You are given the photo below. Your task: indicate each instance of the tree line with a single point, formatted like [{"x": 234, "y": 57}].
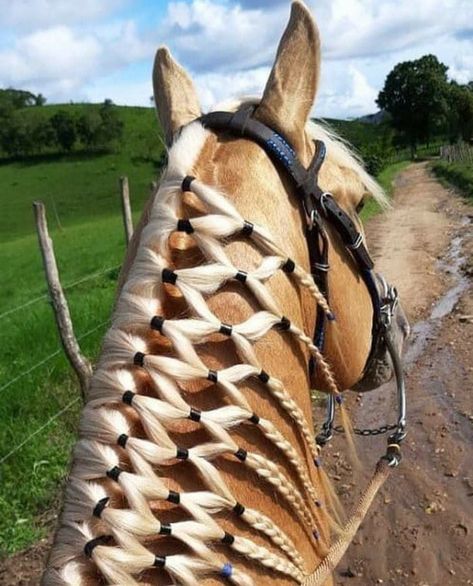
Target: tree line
[
  {"x": 96, "y": 129},
  {"x": 424, "y": 104}
]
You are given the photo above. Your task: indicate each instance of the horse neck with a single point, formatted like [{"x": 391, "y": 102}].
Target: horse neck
[{"x": 243, "y": 171}]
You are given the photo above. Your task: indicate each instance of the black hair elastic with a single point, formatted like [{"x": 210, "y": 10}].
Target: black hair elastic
[
  {"x": 241, "y": 454},
  {"x": 241, "y": 276},
  {"x": 122, "y": 439},
  {"x": 248, "y": 228},
  {"x": 289, "y": 266},
  {"x": 186, "y": 183},
  {"x": 195, "y": 415},
  {"x": 263, "y": 376},
  {"x": 157, "y": 322},
  {"x": 159, "y": 561},
  {"x": 239, "y": 509},
  {"x": 285, "y": 324},
  {"x": 127, "y": 397},
  {"x": 168, "y": 276},
  {"x": 100, "y": 506},
  {"x": 92, "y": 544},
  {"x": 228, "y": 538},
  {"x": 174, "y": 497},
  {"x": 138, "y": 359},
  {"x": 212, "y": 376},
  {"x": 182, "y": 454},
  {"x": 165, "y": 529},
  {"x": 184, "y": 225},
  {"x": 226, "y": 329},
  {"x": 114, "y": 473}
]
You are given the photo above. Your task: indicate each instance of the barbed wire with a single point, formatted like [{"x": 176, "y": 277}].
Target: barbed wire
[
  {"x": 84, "y": 279},
  {"x": 39, "y": 430},
  {"x": 48, "y": 358}
]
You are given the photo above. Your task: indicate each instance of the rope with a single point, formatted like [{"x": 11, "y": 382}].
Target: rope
[{"x": 338, "y": 549}]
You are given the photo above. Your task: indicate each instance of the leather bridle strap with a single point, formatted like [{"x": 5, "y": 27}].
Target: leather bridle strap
[{"x": 319, "y": 206}]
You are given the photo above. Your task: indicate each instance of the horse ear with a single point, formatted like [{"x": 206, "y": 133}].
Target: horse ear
[
  {"x": 292, "y": 84},
  {"x": 174, "y": 94}
]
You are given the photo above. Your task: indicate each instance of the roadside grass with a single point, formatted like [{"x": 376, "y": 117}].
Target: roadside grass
[
  {"x": 460, "y": 175},
  {"x": 386, "y": 180},
  {"x": 81, "y": 194}
]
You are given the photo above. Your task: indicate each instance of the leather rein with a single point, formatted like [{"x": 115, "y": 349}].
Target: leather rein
[{"x": 320, "y": 209}]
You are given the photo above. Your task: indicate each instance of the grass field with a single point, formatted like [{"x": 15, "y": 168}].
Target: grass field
[
  {"x": 39, "y": 409},
  {"x": 458, "y": 174},
  {"x": 81, "y": 194}
]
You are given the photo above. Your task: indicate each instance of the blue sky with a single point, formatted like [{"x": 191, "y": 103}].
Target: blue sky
[{"x": 96, "y": 49}]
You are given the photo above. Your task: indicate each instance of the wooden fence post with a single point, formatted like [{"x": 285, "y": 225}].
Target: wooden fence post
[
  {"x": 126, "y": 208},
  {"x": 79, "y": 363}
]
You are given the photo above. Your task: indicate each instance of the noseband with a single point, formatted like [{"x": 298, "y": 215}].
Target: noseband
[{"x": 320, "y": 209}]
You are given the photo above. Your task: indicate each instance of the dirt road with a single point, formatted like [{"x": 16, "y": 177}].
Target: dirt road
[{"x": 420, "y": 530}]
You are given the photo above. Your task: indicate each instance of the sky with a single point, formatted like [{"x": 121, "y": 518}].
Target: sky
[{"x": 89, "y": 50}]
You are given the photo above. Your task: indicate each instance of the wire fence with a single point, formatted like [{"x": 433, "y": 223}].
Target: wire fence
[
  {"x": 84, "y": 279},
  {"x": 39, "y": 430},
  {"x": 49, "y": 358}
]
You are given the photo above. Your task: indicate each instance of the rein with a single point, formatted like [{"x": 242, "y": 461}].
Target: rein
[{"x": 320, "y": 209}]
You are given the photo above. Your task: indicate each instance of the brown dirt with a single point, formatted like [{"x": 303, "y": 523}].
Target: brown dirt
[{"x": 419, "y": 530}]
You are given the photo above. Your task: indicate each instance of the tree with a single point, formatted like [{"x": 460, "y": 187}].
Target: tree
[
  {"x": 112, "y": 127},
  {"x": 461, "y": 111},
  {"x": 89, "y": 127},
  {"x": 415, "y": 93},
  {"x": 40, "y": 100},
  {"x": 64, "y": 126}
]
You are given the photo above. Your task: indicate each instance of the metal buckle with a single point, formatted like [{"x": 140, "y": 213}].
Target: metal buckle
[
  {"x": 323, "y": 197},
  {"x": 320, "y": 266},
  {"x": 358, "y": 242}
]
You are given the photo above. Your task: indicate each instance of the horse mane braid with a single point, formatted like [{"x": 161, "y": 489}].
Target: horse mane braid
[{"x": 126, "y": 441}]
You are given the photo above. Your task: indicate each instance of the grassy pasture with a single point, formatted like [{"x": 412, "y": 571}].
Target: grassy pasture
[{"x": 81, "y": 194}]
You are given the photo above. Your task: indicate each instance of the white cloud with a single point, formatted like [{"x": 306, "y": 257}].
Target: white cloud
[
  {"x": 347, "y": 93},
  {"x": 210, "y": 36},
  {"x": 69, "y": 50},
  {"x": 214, "y": 87},
  {"x": 59, "y": 61},
  {"x": 36, "y": 14}
]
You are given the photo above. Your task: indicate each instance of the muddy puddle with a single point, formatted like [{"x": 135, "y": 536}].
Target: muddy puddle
[
  {"x": 451, "y": 267},
  {"x": 378, "y": 406}
]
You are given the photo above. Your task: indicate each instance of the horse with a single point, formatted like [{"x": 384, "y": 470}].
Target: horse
[{"x": 196, "y": 462}]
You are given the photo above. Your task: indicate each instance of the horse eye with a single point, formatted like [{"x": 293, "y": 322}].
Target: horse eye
[{"x": 360, "y": 205}]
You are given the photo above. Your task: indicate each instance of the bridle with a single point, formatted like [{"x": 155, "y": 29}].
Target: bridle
[{"x": 320, "y": 210}]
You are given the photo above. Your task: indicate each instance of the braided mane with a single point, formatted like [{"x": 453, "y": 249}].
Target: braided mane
[{"x": 123, "y": 464}]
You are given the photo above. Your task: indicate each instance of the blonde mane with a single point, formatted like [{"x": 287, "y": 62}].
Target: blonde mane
[{"x": 126, "y": 429}]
